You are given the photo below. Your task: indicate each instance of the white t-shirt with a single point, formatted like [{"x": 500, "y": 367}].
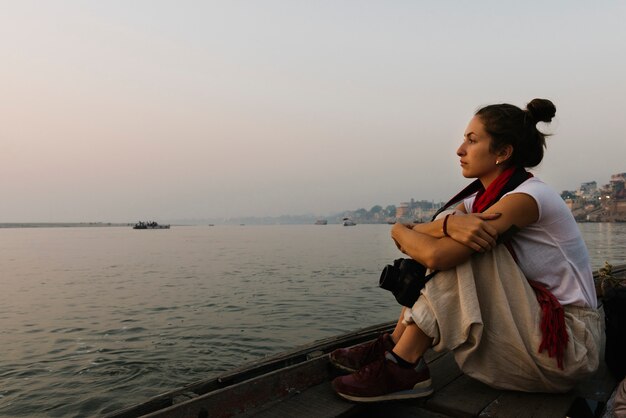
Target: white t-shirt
[{"x": 551, "y": 251}]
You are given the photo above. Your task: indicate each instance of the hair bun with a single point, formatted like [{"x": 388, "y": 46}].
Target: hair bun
[{"x": 541, "y": 110}]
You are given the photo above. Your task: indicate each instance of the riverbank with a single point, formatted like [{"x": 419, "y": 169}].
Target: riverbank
[{"x": 61, "y": 224}]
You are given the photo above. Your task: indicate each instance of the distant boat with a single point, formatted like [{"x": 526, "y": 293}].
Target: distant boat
[
  {"x": 348, "y": 222},
  {"x": 150, "y": 225},
  {"x": 321, "y": 222}
]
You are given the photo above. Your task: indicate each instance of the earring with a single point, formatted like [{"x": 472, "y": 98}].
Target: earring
[{"x": 497, "y": 162}]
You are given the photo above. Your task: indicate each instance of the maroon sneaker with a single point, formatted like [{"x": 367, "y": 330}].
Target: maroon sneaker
[
  {"x": 353, "y": 358},
  {"x": 385, "y": 380}
]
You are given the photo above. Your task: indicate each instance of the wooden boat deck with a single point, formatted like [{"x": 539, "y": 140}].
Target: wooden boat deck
[
  {"x": 456, "y": 395},
  {"x": 297, "y": 384}
]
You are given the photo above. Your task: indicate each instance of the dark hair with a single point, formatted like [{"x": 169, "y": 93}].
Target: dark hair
[{"x": 510, "y": 125}]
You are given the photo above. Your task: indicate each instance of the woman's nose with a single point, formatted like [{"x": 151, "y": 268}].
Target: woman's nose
[{"x": 460, "y": 151}]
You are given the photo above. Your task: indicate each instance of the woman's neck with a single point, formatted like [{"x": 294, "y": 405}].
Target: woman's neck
[{"x": 487, "y": 179}]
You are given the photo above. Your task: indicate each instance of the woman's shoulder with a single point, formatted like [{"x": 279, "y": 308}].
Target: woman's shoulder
[
  {"x": 535, "y": 187},
  {"x": 547, "y": 199}
]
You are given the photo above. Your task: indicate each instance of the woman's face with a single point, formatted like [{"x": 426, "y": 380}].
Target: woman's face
[{"x": 477, "y": 161}]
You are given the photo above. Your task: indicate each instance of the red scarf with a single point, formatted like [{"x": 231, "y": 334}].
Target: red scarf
[
  {"x": 554, "y": 336},
  {"x": 553, "y": 332},
  {"x": 487, "y": 197},
  {"x": 507, "y": 181}
]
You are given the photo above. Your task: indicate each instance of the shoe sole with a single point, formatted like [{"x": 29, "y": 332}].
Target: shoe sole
[{"x": 421, "y": 390}]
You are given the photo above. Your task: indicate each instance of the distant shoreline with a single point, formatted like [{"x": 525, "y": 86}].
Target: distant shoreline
[
  {"x": 61, "y": 224},
  {"x": 17, "y": 225}
]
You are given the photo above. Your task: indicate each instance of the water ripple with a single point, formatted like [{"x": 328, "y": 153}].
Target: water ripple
[{"x": 121, "y": 317}]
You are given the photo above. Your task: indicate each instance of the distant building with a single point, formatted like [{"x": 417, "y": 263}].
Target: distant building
[
  {"x": 588, "y": 190},
  {"x": 570, "y": 198},
  {"x": 417, "y": 210},
  {"x": 612, "y": 200},
  {"x": 402, "y": 210},
  {"x": 617, "y": 185}
]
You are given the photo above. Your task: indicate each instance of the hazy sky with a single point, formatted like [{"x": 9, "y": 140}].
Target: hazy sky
[{"x": 128, "y": 110}]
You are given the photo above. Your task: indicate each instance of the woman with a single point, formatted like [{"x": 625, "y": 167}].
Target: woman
[{"x": 520, "y": 316}]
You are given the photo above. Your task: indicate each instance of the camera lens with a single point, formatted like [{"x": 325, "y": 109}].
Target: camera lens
[{"x": 388, "y": 278}]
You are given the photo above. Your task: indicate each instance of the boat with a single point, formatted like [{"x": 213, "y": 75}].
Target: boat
[
  {"x": 297, "y": 383},
  {"x": 150, "y": 225},
  {"x": 321, "y": 222},
  {"x": 348, "y": 222}
]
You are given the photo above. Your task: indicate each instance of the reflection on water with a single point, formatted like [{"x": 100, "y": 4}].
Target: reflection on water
[
  {"x": 95, "y": 319},
  {"x": 606, "y": 242}
]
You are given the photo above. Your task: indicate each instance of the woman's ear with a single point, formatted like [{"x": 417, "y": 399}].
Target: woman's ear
[{"x": 505, "y": 153}]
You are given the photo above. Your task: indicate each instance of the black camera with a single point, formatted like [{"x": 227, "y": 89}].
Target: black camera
[{"x": 405, "y": 279}]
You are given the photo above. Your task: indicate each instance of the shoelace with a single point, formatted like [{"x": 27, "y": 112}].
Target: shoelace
[
  {"x": 366, "y": 352},
  {"x": 373, "y": 369},
  {"x": 374, "y": 347}
]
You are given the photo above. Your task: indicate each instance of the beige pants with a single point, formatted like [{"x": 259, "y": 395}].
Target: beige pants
[{"x": 485, "y": 311}]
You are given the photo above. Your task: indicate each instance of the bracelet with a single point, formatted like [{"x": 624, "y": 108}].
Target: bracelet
[{"x": 445, "y": 225}]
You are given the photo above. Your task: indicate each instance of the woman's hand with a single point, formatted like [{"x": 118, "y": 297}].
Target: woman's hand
[
  {"x": 473, "y": 230},
  {"x": 396, "y": 234}
]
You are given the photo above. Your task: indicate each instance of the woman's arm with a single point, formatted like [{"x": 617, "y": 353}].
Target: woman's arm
[
  {"x": 471, "y": 230},
  {"x": 444, "y": 253}
]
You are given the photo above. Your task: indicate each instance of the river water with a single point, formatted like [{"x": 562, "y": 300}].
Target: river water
[{"x": 96, "y": 319}]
